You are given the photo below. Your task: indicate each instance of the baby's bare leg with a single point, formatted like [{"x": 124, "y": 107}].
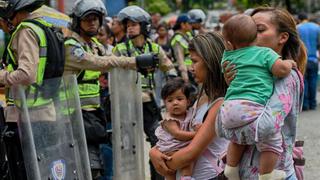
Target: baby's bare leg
[
  {"x": 268, "y": 160},
  {"x": 171, "y": 177},
  {"x": 187, "y": 170},
  {"x": 234, "y": 154}
]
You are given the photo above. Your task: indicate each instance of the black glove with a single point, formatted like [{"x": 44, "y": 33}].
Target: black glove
[{"x": 146, "y": 62}]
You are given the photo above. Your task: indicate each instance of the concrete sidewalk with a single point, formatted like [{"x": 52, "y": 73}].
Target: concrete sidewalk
[{"x": 309, "y": 130}]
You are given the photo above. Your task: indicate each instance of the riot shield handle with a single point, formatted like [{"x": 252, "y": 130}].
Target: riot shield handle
[{"x": 146, "y": 62}]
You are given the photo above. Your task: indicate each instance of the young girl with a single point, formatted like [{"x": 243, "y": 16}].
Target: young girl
[{"x": 175, "y": 95}]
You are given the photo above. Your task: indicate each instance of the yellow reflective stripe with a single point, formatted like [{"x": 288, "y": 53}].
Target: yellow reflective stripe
[
  {"x": 91, "y": 75},
  {"x": 155, "y": 48},
  {"x": 119, "y": 48},
  {"x": 88, "y": 90},
  {"x": 176, "y": 39},
  {"x": 179, "y": 38},
  {"x": 188, "y": 62},
  {"x": 43, "y": 44},
  {"x": 95, "y": 40},
  {"x": 90, "y": 106},
  {"x": 10, "y": 68},
  {"x": 73, "y": 42},
  {"x": 189, "y": 34},
  {"x": 31, "y": 102},
  {"x": 90, "y": 102}
]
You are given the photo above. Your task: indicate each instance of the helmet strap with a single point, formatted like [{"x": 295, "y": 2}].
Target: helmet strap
[
  {"x": 11, "y": 27},
  {"x": 134, "y": 36},
  {"x": 88, "y": 33}
]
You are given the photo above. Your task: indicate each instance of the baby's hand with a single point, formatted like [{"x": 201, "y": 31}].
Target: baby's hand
[
  {"x": 293, "y": 63},
  {"x": 197, "y": 127}
]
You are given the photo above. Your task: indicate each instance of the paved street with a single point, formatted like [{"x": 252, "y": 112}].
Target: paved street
[{"x": 309, "y": 131}]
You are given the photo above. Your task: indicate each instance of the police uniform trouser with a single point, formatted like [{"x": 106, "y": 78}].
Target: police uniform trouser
[
  {"x": 14, "y": 153},
  {"x": 94, "y": 124}
]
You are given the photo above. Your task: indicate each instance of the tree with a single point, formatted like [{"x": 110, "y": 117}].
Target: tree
[{"x": 158, "y": 6}]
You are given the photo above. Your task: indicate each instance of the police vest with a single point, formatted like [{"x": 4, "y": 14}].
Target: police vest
[
  {"x": 127, "y": 49},
  {"x": 88, "y": 81},
  {"x": 189, "y": 35},
  {"x": 33, "y": 99},
  {"x": 184, "y": 42}
]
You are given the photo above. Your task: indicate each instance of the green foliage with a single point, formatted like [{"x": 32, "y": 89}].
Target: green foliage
[
  {"x": 154, "y": 6},
  {"x": 158, "y": 6},
  {"x": 1, "y": 50}
]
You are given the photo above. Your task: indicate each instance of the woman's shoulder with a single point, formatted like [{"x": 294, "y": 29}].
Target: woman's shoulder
[
  {"x": 217, "y": 100},
  {"x": 295, "y": 78}
]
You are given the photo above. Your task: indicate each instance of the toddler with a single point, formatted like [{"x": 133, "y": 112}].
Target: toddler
[{"x": 174, "y": 132}]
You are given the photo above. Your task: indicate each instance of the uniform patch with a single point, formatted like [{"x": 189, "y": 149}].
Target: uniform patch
[
  {"x": 58, "y": 169},
  {"x": 77, "y": 52}
]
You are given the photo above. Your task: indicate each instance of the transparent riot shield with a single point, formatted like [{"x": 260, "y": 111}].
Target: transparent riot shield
[
  {"x": 127, "y": 124},
  {"x": 51, "y": 130}
]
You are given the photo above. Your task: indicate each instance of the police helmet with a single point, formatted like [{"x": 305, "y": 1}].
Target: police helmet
[
  {"x": 8, "y": 8},
  {"x": 197, "y": 16},
  {"x": 136, "y": 14},
  {"x": 83, "y": 8}
]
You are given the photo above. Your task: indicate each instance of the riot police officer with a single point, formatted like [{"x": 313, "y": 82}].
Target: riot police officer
[
  {"x": 138, "y": 23},
  {"x": 23, "y": 67},
  {"x": 180, "y": 45},
  {"x": 87, "y": 58},
  {"x": 197, "y": 20}
]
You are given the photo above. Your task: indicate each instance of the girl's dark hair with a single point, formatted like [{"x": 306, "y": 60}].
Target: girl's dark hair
[
  {"x": 284, "y": 22},
  {"x": 108, "y": 31},
  {"x": 163, "y": 25},
  {"x": 173, "y": 85},
  {"x": 210, "y": 47}
]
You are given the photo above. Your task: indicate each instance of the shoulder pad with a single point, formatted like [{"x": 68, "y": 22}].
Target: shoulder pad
[{"x": 77, "y": 52}]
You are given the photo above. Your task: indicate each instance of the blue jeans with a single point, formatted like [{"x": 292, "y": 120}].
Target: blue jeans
[
  {"x": 107, "y": 159},
  {"x": 106, "y": 153},
  {"x": 310, "y": 85}
]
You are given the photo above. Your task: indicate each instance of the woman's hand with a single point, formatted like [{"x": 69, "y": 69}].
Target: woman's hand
[
  {"x": 229, "y": 72},
  {"x": 197, "y": 127},
  {"x": 158, "y": 160}
]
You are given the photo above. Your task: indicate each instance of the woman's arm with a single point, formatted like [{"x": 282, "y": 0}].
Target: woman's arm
[
  {"x": 199, "y": 143},
  {"x": 179, "y": 56}
]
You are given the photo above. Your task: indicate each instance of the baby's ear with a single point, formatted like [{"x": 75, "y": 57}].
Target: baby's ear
[{"x": 229, "y": 45}]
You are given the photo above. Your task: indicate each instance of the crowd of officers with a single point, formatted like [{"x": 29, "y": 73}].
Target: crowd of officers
[{"x": 93, "y": 45}]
